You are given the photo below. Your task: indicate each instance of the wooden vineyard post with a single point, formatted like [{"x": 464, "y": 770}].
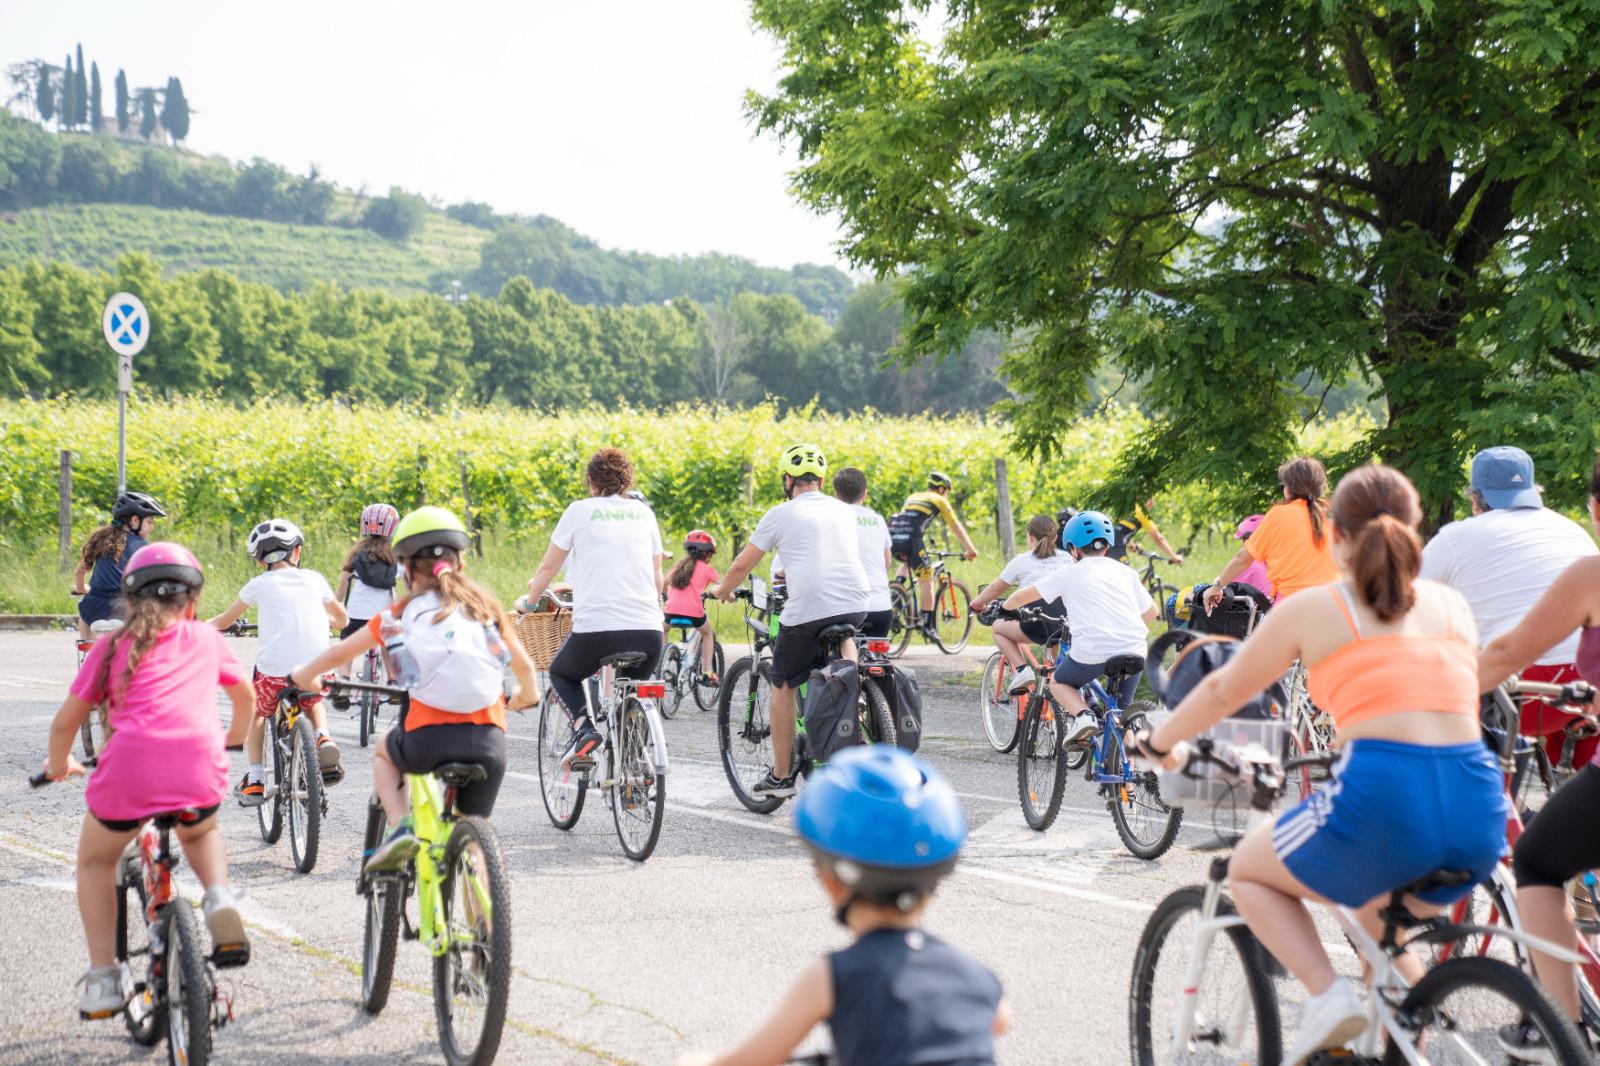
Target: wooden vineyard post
[
  {"x": 466, "y": 500},
  {"x": 1005, "y": 526},
  {"x": 64, "y": 489},
  {"x": 747, "y": 473}
]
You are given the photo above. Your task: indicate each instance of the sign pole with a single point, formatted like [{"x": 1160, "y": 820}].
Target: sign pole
[
  {"x": 126, "y": 325},
  {"x": 122, "y": 442}
]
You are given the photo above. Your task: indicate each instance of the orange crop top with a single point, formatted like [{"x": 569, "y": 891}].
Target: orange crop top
[{"x": 1374, "y": 676}]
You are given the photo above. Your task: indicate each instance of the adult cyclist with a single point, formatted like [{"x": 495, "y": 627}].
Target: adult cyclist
[
  {"x": 907, "y": 528},
  {"x": 827, "y": 586},
  {"x": 1141, "y": 522}
]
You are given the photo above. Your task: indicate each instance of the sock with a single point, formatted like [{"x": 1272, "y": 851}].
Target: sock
[
  {"x": 253, "y": 775},
  {"x": 927, "y": 618}
]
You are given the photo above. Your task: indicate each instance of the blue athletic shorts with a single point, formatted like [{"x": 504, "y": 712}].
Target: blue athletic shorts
[
  {"x": 1070, "y": 671},
  {"x": 1395, "y": 813}
]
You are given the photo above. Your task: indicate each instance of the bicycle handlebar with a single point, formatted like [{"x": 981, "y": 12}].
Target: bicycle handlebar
[
  {"x": 41, "y": 779},
  {"x": 241, "y": 628},
  {"x": 335, "y": 685},
  {"x": 1573, "y": 693}
]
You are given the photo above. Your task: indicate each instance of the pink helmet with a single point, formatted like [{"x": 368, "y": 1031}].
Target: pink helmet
[
  {"x": 161, "y": 569},
  {"x": 1248, "y": 526},
  {"x": 378, "y": 520}
]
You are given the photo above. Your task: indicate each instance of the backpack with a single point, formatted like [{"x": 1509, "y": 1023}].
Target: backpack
[
  {"x": 900, "y": 689},
  {"x": 1197, "y": 657},
  {"x": 832, "y": 711}
]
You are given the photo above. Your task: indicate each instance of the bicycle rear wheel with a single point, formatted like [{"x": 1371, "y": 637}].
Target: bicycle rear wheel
[
  {"x": 952, "y": 616},
  {"x": 877, "y": 724},
  {"x": 1235, "y": 1006},
  {"x": 146, "y": 1013},
  {"x": 269, "y": 816},
  {"x": 705, "y": 696},
  {"x": 367, "y": 702},
  {"x": 997, "y": 706},
  {"x": 639, "y": 798},
  {"x": 744, "y": 731},
  {"x": 1041, "y": 769},
  {"x": 902, "y": 620},
  {"x": 672, "y": 667},
  {"x": 304, "y": 782},
  {"x": 188, "y": 993},
  {"x": 1146, "y": 825},
  {"x": 385, "y": 897},
  {"x": 561, "y": 787},
  {"x": 1471, "y": 1008},
  {"x": 94, "y": 733},
  {"x": 472, "y": 979}
]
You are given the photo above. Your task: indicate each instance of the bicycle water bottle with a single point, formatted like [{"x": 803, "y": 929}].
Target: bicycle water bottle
[{"x": 406, "y": 673}]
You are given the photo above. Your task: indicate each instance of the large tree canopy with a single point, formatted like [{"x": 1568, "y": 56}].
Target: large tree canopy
[{"x": 1227, "y": 199}]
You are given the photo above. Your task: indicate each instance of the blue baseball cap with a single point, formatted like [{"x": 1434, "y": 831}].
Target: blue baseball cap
[{"x": 1504, "y": 477}]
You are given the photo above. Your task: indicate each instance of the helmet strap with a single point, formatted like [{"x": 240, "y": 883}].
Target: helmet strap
[{"x": 842, "y": 913}]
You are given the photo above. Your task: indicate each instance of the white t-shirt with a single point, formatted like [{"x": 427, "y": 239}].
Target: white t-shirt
[
  {"x": 872, "y": 534},
  {"x": 821, "y": 557},
  {"x": 1106, "y": 601},
  {"x": 292, "y": 621},
  {"x": 455, "y": 668},
  {"x": 615, "y": 547},
  {"x": 364, "y": 601},
  {"x": 1502, "y": 561},
  {"x": 1028, "y": 569}
]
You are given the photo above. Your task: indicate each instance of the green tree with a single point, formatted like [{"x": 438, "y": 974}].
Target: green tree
[
  {"x": 147, "y": 107},
  {"x": 398, "y": 216},
  {"x": 67, "y": 105},
  {"x": 97, "y": 117},
  {"x": 1221, "y": 198},
  {"x": 30, "y": 160},
  {"x": 123, "y": 118},
  {"x": 44, "y": 94},
  {"x": 20, "y": 368},
  {"x": 175, "y": 110},
  {"x": 80, "y": 93}
]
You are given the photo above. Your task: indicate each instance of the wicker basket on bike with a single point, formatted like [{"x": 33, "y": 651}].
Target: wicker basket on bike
[
  {"x": 543, "y": 630},
  {"x": 1236, "y": 616}
]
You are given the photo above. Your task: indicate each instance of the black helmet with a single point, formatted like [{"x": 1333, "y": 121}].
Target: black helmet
[
  {"x": 136, "y": 503},
  {"x": 938, "y": 479}
]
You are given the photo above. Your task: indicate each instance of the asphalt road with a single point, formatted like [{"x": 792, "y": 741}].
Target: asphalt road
[{"x": 615, "y": 962}]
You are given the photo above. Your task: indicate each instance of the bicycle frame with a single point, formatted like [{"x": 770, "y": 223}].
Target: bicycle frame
[
  {"x": 612, "y": 692},
  {"x": 1110, "y": 734},
  {"x": 433, "y": 827}
]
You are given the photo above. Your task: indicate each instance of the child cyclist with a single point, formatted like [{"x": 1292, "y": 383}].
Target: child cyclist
[
  {"x": 882, "y": 828},
  {"x": 685, "y": 584},
  {"x": 453, "y": 635},
  {"x": 366, "y": 581},
  {"x": 106, "y": 554},
  {"x": 159, "y": 676},
  {"x": 293, "y": 609}
]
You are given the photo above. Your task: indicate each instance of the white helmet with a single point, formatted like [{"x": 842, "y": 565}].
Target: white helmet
[{"x": 274, "y": 539}]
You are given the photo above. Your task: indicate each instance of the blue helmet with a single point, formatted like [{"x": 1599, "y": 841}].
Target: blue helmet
[
  {"x": 1087, "y": 528},
  {"x": 886, "y": 825}
]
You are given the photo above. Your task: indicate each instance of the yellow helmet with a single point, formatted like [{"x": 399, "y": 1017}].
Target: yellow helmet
[{"x": 801, "y": 459}]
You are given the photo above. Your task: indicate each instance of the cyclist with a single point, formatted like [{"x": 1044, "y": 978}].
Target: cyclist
[
  {"x": 1111, "y": 612},
  {"x": 1141, "y": 522},
  {"x": 883, "y": 828},
  {"x": 1025, "y": 569},
  {"x": 367, "y": 579},
  {"x": 872, "y": 537},
  {"x": 907, "y": 528},
  {"x": 459, "y": 641},
  {"x": 614, "y": 545},
  {"x": 1394, "y": 660},
  {"x": 106, "y": 552},
  {"x": 827, "y": 586},
  {"x": 1254, "y": 575},
  {"x": 1291, "y": 540},
  {"x": 688, "y": 579},
  {"x": 158, "y": 675},
  {"x": 293, "y": 609}
]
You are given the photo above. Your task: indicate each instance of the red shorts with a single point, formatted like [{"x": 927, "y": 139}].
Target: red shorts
[
  {"x": 1539, "y": 719},
  {"x": 267, "y": 689}
]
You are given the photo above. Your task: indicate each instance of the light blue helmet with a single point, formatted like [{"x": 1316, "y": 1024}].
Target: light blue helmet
[{"x": 1089, "y": 529}]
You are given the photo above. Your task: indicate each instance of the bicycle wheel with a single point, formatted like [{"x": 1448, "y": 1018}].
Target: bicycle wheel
[
  {"x": 705, "y": 696},
  {"x": 1146, "y": 825},
  {"x": 305, "y": 796},
  {"x": 1041, "y": 770},
  {"x": 902, "y": 620},
  {"x": 367, "y": 702},
  {"x": 744, "y": 731},
  {"x": 562, "y": 788},
  {"x": 1468, "y": 1007},
  {"x": 997, "y": 706},
  {"x": 269, "y": 816},
  {"x": 1163, "y": 595},
  {"x": 672, "y": 674},
  {"x": 472, "y": 979},
  {"x": 952, "y": 617},
  {"x": 877, "y": 724},
  {"x": 384, "y": 900},
  {"x": 1235, "y": 1007},
  {"x": 188, "y": 993},
  {"x": 639, "y": 799},
  {"x": 93, "y": 733},
  {"x": 146, "y": 1013}
]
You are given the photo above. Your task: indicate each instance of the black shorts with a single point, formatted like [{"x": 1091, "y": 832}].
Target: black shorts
[
  {"x": 356, "y": 625},
  {"x": 196, "y": 816},
  {"x": 877, "y": 623},
  {"x": 418, "y": 751},
  {"x": 798, "y": 650},
  {"x": 1042, "y": 631}
]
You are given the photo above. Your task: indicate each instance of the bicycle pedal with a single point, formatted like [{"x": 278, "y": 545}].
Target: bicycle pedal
[
  {"x": 225, "y": 956},
  {"x": 99, "y": 1015},
  {"x": 333, "y": 775}
]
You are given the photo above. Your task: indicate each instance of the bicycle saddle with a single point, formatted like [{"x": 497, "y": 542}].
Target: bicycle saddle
[
  {"x": 836, "y": 634},
  {"x": 1437, "y": 880},
  {"x": 622, "y": 660},
  {"x": 460, "y": 774},
  {"x": 679, "y": 622},
  {"x": 1121, "y": 666}
]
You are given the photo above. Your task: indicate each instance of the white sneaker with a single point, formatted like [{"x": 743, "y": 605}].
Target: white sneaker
[
  {"x": 102, "y": 993},
  {"x": 1081, "y": 728},
  {"x": 1022, "y": 679},
  {"x": 1328, "y": 1021},
  {"x": 224, "y": 921}
]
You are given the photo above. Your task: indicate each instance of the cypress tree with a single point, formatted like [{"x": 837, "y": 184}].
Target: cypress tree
[
  {"x": 44, "y": 95},
  {"x": 175, "y": 110},
  {"x": 65, "y": 106},
  {"x": 97, "y": 116},
  {"x": 80, "y": 93},
  {"x": 147, "y": 124},
  {"x": 122, "y": 101}
]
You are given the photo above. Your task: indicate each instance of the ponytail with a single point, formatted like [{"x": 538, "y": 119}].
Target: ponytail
[
  {"x": 682, "y": 571},
  {"x": 443, "y": 574},
  {"x": 1377, "y": 510},
  {"x": 1306, "y": 479},
  {"x": 1042, "y": 528},
  {"x": 107, "y": 542}
]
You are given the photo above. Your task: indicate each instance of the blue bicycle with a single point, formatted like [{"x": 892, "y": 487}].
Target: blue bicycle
[{"x": 1146, "y": 825}]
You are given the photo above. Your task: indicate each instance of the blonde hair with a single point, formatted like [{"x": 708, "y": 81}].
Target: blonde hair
[{"x": 457, "y": 591}]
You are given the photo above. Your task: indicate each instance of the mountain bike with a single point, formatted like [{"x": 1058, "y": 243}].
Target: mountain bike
[
  {"x": 680, "y": 667},
  {"x": 96, "y": 728},
  {"x": 1160, "y": 591},
  {"x": 1202, "y": 989},
  {"x": 372, "y": 672},
  {"x": 1001, "y": 709},
  {"x": 170, "y": 983},
  {"x": 463, "y": 893},
  {"x": 1146, "y": 824},
  {"x": 293, "y": 781},
  {"x": 951, "y": 602},
  {"x": 744, "y": 708}
]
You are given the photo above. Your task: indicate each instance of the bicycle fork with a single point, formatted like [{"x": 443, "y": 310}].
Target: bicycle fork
[{"x": 1230, "y": 1036}]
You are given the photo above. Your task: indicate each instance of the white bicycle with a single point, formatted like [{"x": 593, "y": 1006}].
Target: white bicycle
[{"x": 680, "y": 668}]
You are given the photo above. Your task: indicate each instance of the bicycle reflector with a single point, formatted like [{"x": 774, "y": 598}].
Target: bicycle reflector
[
  {"x": 651, "y": 690},
  {"x": 877, "y": 647}
]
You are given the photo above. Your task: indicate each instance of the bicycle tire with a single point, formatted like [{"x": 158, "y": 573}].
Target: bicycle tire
[
  {"x": 902, "y": 620},
  {"x": 146, "y": 1014},
  {"x": 305, "y": 783},
  {"x": 188, "y": 992},
  {"x": 997, "y": 707},
  {"x": 1427, "y": 1000},
  {"x": 93, "y": 733},
  {"x": 1040, "y": 763},
  {"x": 672, "y": 671},
  {"x": 744, "y": 733},
  {"x": 632, "y": 763},
  {"x": 382, "y": 932},
  {"x": 366, "y": 702},
  {"x": 1152, "y": 1047},
  {"x": 269, "y": 815},
  {"x": 705, "y": 696},
  {"x": 877, "y": 724},
  {"x": 1123, "y": 802},
  {"x": 495, "y": 974},
  {"x": 952, "y": 611},
  {"x": 561, "y": 789}
]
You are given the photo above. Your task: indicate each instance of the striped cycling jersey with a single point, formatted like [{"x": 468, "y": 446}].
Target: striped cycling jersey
[{"x": 921, "y": 506}]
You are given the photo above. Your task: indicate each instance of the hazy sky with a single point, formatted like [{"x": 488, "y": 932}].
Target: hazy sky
[{"x": 622, "y": 118}]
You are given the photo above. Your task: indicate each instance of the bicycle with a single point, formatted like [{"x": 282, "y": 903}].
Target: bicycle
[
  {"x": 744, "y": 707},
  {"x": 372, "y": 672},
  {"x": 1160, "y": 591},
  {"x": 292, "y": 779},
  {"x": 630, "y": 765},
  {"x": 463, "y": 893},
  {"x": 1230, "y": 1017},
  {"x": 96, "y": 728},
  {"x": 1001, "y": 709},
  {"x": 176, "y": 996},
  {"x": 1146, "y": 824},
  {"x": 680, "y": 667},
  {"x": 952, "y": 601}
]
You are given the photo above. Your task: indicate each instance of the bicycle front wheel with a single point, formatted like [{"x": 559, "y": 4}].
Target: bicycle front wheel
[
  {"x": 472, "y": 979},
  {"x": 562, "y": 788},
  {"x": 1146, "y": 825},
  {"x": 952, "y": 617},
  {"x": 902, "y": 620},
  {"x": 93, "y": 733},
  {"x": 269, "y": 816},
  {"x": 997, "y": 706},
  {"x": 744, "y": 731},
  {"x": 146, "y": 1013},
  {"x": 384, "y": 900},
  {"x": 705, "y": 696},
  {"x": 672, "y": 671},
  {"x": 1477, "y": 1010},
  {"x": 639, "y": 798},
  {"x": 188, "y": 990},
  {"x": 1234, "y": 1014},
  {"x": 1041, "y": 769},
  {"x": 305, "y": 796}
]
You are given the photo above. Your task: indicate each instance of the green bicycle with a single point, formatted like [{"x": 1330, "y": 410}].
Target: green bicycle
[{"x": 463, "y": 909}]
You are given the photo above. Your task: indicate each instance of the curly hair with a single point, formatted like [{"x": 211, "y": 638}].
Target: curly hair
[{"x": 609, "y": 472}]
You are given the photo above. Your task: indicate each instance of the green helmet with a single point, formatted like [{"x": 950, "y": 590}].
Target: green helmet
[
  {"x": 938, "y": 479},
  {"x": 801, "y": 459},
  {"x": 429, "y": 528}
]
